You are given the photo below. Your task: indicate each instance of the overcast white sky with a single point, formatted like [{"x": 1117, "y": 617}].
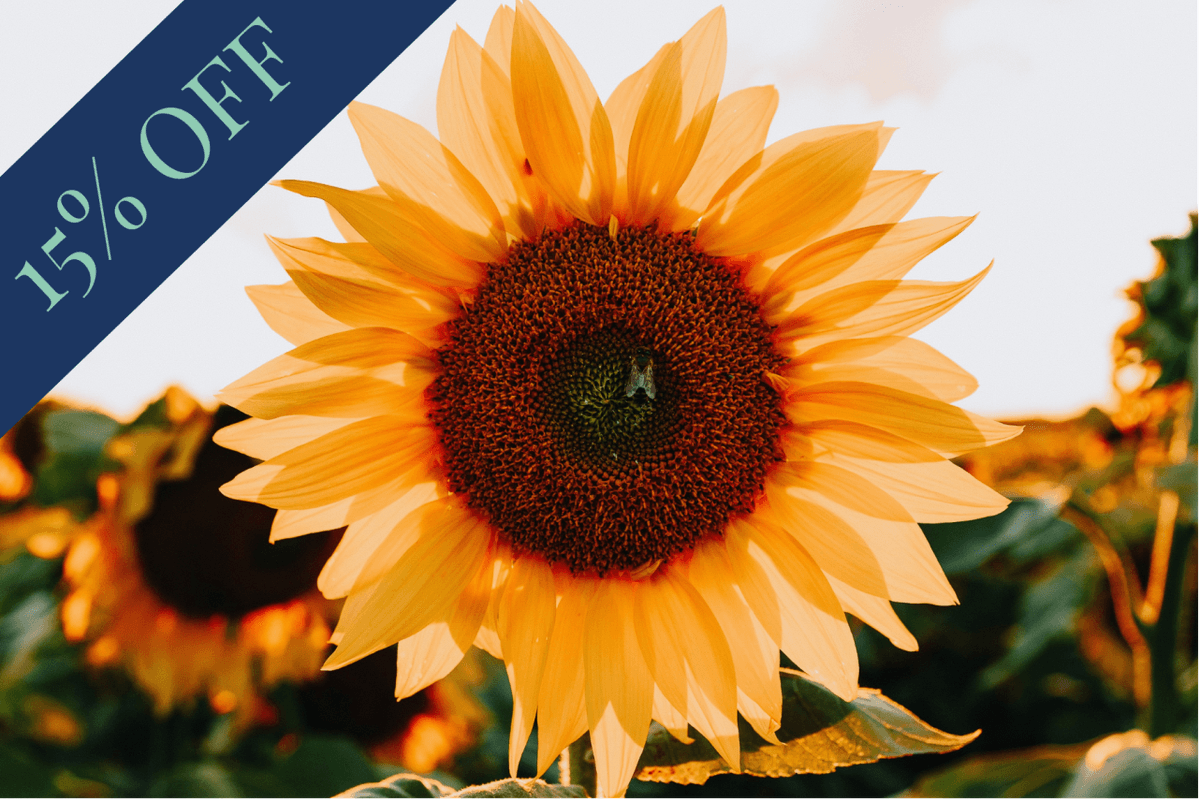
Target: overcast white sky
[{"x": 1068, "y": 125}]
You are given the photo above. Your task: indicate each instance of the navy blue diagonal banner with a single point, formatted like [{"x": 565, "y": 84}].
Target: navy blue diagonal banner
[{"x": 160, "y": 154}]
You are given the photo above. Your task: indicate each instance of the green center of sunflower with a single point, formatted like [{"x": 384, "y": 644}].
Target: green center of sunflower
[
  {"x": 603, "y": 403},
  {"x": 602, "y": 398},
  {"x": 205, "y": 554}
]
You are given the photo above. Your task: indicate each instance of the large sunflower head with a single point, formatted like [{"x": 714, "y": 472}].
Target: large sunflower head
[
  {"x": 614, "y": 392},
  {"x": 180, "y": 584}
]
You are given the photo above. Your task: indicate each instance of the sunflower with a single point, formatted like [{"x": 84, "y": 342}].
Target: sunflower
[
  {"x": 180, "y": 584},
  {"x": 614, "y": 393}
]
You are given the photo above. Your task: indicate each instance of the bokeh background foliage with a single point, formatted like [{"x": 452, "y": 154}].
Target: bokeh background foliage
[{"x": 1073, "y": 650}]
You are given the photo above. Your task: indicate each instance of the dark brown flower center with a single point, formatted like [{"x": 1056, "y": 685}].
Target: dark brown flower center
[
  {"x": 602, "y": 401},
  {"x": 205, "y": 554}
]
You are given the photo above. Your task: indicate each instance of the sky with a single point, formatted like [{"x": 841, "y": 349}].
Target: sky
[{"x": 1069, "y": 126}]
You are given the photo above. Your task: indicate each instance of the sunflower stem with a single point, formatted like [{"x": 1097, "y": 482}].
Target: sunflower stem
[
  {"x": 1124, "y": 587},
  {"x": 577, "y": 765},
  {"x": 1164, "y": 695}
]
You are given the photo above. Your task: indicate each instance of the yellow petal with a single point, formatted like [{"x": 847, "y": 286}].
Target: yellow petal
[
  {"x": 671, "y": 718},
  {"x": 526, "y": 622},
  {"x": 887, "y": 197},
  {"x": 488, "y": 639},
  {"x": 366, "y": 348},
  {"x": 353, "y": 374},
  {"x": 363, "y": 455},
  {"x": 360, "y": 304},
  {"x": 357, "y": 261},
  {"x": 360, "y": 263},
  {"x": 902, "y": 363},
  {"x": 291, "y": 523},
  {"x": 564, "y": 129},
  {"x": 661, "y": 638},
  {"x": 397, "y": 523},
  {"x": 289, "y": 313},
  {"x": 365, "y": 258},
  {"x": 265, "y": 438},
  {"x": 463, "y": 119},
  {"x": 931, "y": 492},
  {"x": 675, "y": 116},
  {"x": 498, "y": 42},
  {"x": 294, "y": 523},
  {"x": 876, "y": 612},
  {"x": 421, "y": 175},
  {"x": 562, "y": 716},
  {"x": 477, "y": 121},
  {"x": 618, "y": 687},
  {"x": 760, "y": 720},
  {"x": 688, "y": 654},
  {"x": 941, "y": 427},
  {"x": 737, "y": 133},
  {"x": 355, "y": 284},
  {"x": 755, "y": 654},
  {"x": 429, "y": 655},
  {"x": 844, "y": 487},
  {"x": 798, "y": 189},
  {"x": 622, "y": 109},
  {"x": 839, "y": 549},
  {"x": 344, "y": 227},
  {"x": 872, "y": 308},
  {"x": 787, "y": 590},
  {"x": 323, "y": 392},
  {"x": 420, "y": 589},
  {"x": 879, "y": 252},
  {"x": 396, "y": 232},
  {"x": 857, "y": 441},
  {"x": 910, "y": 569}
]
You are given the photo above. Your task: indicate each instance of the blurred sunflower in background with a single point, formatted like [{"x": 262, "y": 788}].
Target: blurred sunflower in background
[
  {"x": 180, "y": 585},
  {"x": 15, "y": 479},
  {"x": 616, "y": 394},
  {"x": 27, "y": 516}
]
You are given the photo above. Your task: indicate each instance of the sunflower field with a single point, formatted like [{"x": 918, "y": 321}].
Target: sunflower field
[{"x": 605, "y": 463}]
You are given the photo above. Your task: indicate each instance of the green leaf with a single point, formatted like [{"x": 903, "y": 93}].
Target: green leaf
[
  {"x": 1182, "y": 480},
  {"x": 1032, "y": 772},
  {"x": 1129, "y": 764},
  {"x": 23, "y": 632},
  {"x": 521, "y": 788},
  {"x": 257, "y": 781},
  {"x": 1028, "y": 528},
  {"x": 195, "y": 779},
  {"x": 1125, "y": 764},
  {"x": 324, "y": 765},
  {"x": 74, "y": 458},
  {"x": 1167, "y": 333},
  {"x": 71, "y": 432},
  {"x": 1049, "y": 610},
  {"x": 406, "y": 785},
  {"x": 820, "y": 733},
  {"x": 411, "y": 785},
  {"x": 1131, "y": 772},
  {"x": 154, "y": 415},
  {"x": 20, "y": 775},
  {"x": 23, "y": 575}
]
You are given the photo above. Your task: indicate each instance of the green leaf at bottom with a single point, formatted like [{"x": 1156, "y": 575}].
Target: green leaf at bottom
[
  {"x": 1042, "y": 771},
  {"x": 1123, "y": 764},
  {"x": 410, "y": 785},
  {"x": 820, "y": 733}
]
